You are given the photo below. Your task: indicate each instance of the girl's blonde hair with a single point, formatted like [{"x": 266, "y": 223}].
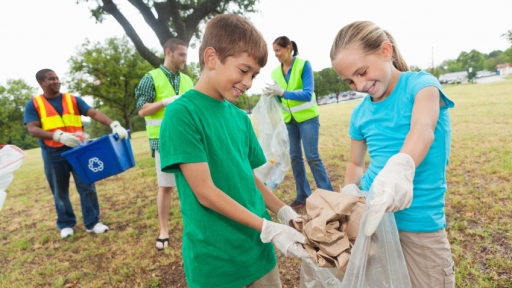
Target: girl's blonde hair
[{"x": 369, "y": 37}]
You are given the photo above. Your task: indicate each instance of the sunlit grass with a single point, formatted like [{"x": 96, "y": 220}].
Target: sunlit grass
[{"x": 478, "y": 208}]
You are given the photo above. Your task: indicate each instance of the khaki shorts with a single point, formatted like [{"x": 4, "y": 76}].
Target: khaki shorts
[
  {"x": 429, "y": 259},
  {"x": 164, "y": 179},
  {"x": 269, "y": 280}
]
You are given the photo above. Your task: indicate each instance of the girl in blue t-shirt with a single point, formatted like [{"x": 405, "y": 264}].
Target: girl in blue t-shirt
[{"x": 404, "y": 125}]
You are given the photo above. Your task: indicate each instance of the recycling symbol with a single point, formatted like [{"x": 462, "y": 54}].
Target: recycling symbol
[{"x": 95, "y": 164}]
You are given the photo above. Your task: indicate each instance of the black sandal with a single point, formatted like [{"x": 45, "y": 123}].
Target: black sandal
[{"x": 163, "y": 243}]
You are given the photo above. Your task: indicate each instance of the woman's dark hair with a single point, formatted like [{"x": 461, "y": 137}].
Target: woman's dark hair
[{"x": 284, "y": 42}]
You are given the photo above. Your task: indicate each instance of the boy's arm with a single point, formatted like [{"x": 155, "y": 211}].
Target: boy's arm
[
  {"x": 272, "y": 203},
  {"x": 199, "y": 179},
  {"x": 284, "y": 237}
]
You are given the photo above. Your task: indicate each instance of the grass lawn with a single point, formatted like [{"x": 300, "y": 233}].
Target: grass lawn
[{"x": 478, "y": 208}]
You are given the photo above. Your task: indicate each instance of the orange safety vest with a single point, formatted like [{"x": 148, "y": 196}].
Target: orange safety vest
[{"x": 70, "y": 122}]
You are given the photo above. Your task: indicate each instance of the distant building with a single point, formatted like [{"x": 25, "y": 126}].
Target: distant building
[
  {"x": 504, "y": 69},
  {"x": 453, "y": 77},
  {"x": 484, "y": 73}
]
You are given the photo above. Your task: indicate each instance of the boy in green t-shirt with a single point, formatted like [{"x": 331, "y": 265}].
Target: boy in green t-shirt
[{"x": 211, "y": 147}]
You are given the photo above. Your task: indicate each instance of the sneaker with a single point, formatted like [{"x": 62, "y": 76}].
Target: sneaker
[
  {"x": 66, "y": 232},
  {"x": 98, "y": 228},
  {"x": 296, "y": 204}
]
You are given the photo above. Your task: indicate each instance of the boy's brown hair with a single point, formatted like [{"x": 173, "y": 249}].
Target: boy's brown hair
[{"x": 232, "y": 35}]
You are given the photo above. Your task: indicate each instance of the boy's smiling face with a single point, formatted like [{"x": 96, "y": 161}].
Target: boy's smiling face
[{"x": 234, "y": 77}]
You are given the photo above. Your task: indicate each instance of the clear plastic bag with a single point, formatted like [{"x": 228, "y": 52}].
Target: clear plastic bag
[
  {"x": 273, "y": 138},
  {"x": 10, "y": 159},
  {"x": 375, "y": 261},
  {"x": 312, "y": 276}
]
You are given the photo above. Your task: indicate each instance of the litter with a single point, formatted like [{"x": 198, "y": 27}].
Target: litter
[
  {"x": 11, "y": 158},
  {"x": 273, "y": 138},
  {"x": 373, "y": 261}
]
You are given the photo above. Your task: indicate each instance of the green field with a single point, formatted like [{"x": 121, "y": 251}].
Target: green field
[{"x": 478, "y": 208}]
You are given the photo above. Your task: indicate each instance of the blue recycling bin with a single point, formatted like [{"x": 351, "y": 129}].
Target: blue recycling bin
[{"x": 101, "y": 158}]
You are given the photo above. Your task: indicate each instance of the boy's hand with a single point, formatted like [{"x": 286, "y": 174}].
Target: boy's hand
[
  {"x": 285, "y": 214},
  {"x": 273, "y": 90},
  {"x": 169, "y": 100},
  {"x": 392, "y": 189},
  {"x": 285, "y": 238}
]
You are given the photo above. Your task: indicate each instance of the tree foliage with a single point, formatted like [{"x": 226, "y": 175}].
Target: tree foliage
[
  {"x": 508, "y": 36},
  {"x": 168, "y": 19},
  {"x": 13, "y": 98},
  {"x": 109, "y": 72},
  {"x": 327, "y": 81},
  {"x": 476, "y": 60}
]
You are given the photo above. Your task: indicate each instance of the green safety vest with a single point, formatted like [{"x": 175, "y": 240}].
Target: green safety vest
[
  {"x": 164, "y": 89},
  {"x": 299, "y": 110}
]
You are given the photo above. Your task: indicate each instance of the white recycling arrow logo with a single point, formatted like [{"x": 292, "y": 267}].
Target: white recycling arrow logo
[{"x": 95, "y": 164}]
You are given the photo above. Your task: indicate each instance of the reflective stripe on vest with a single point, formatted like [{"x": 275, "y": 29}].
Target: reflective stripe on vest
[
  {"x": 69, "y": 122},
  {"x": 163, "y": 89},
  {"x": 299, "y": 110},
  {"x": 153, "y": 122}
]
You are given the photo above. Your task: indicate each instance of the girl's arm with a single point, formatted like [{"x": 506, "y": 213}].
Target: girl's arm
[
  {"x": 199, "y": 179},
  {"x": 425, "y": 114},
  {"x": 355, "y": 167},
  {"x": 272, "y": 203},
  {"x": 308, "y": 86}
]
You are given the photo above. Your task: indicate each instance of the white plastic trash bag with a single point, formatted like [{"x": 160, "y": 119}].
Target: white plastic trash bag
[
  {"x": 375, "y": 261},
  {"x": 11, "y": 158},
  {"x": 312, "y": 276},
  {"x": 273, "y": 138}
]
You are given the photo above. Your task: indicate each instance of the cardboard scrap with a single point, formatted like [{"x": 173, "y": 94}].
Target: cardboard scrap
[{"x": 330, "y": 227}]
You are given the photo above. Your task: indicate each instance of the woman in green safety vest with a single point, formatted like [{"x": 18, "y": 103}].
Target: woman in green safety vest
[{"x": 294, "y": 85}]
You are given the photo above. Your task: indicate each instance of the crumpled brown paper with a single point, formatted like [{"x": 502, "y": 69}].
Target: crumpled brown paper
[{"x": 330, "y": 227}]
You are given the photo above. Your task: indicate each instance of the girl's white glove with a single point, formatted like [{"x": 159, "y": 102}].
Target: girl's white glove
[
  {"x": 284, "y": 237},
  {"x": 351, "y": 189},
  {"x": 392, "y": 190}
]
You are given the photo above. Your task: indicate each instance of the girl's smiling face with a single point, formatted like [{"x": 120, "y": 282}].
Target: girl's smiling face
[{"x": 371, "y": 73}]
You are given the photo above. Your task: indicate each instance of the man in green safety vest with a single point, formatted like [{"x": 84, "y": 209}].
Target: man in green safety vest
[{"x": 157, "y": 89}]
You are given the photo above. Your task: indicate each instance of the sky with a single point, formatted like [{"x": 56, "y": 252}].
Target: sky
[{"x": 37, "y": 34}]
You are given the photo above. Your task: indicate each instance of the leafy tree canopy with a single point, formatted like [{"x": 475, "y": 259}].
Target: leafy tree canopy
[
  {"x": 109, "y": 72},
  {"x": 168, "y": 19},
  {"x": 13, "y": 98}
]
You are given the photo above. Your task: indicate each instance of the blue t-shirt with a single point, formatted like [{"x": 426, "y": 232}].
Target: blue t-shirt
[
  {"x": 32, "y": 115},
  {"x": 384, "y": 125}
]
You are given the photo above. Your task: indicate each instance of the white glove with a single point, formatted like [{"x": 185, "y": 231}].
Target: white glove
[
  {"x": 273, "y": 90},
  {"x": 68, "y": 139},
  {"x": 351, "y": 189},
  {"x": 392, "y": 189},
  {"x": 285, "y": 238},
  {"x": 169, "y": 100},
  {"x": 285, "y": 214},
  {"x": 117, "y": 128}
]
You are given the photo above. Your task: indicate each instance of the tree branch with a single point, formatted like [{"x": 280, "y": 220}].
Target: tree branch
[
  {"x": 200, "y": 13},
  {"x": 160, "y": 28},
  {"x": 110, "y": 7}
]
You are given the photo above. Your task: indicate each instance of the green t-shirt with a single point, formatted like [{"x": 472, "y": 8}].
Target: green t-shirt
[{"x": 217, "y": 251}]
